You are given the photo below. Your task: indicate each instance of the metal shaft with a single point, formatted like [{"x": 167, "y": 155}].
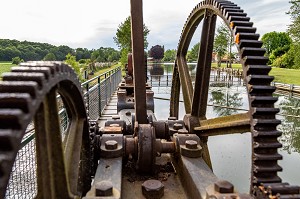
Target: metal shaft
[{"x": 137, "y": 38}]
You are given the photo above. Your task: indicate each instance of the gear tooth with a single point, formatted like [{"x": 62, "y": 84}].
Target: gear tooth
[
  {"x": 15, "y": 100},
  {"x": 8, "y": 142},
  {"x": 11, "y": 119},
  {"x": 19, "y": 87},
  {"x": 39, "y": 78}
]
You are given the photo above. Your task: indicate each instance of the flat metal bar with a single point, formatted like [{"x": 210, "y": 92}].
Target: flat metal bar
[
  {"x": 238, "y": 123},
  {"x": 175, "y": 93},
  {"x": 195, "y": 176},
  {"x": 42, "y": 155},
  {"x": 137, "y": 38},
  {"x": 204, "y": 66},
  {"x": 186, "y": 83},
  {"x": 59, "y": 183}
]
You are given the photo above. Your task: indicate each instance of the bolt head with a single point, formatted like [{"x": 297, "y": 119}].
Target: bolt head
[
  {"x": 104, "y": 188},
  {"x": 177, "y": 126},
  {"x": 191, "y": 144},
  {"x": 153, "y": 189},
  {"x": 223, "y": 186},
  {"x": 111, "y": 145}
]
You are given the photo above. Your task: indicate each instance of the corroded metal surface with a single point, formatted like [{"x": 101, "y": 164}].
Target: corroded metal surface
[
  {"x": 29, "y": 93},
  {"x": 262, "y": 121}
]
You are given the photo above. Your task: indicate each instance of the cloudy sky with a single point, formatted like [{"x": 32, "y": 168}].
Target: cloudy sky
[{"x": 93, "y": 23}]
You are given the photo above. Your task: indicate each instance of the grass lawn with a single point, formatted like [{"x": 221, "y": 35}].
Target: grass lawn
[
  {"x": 288, "y": 76},
  {"x": 101, "y": 71},
  {"x": 282, "y": 75},
  {"x": 5, "y": 67}
]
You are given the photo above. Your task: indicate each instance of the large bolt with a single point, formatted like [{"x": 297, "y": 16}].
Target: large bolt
[
  {"x": 191, "y": 144},
  {"x": 111, "y": 145},
  {"x": 153, "y": 189},
  {"x": 104, "y": 188},
  {"x": 223, "y": 186},
  {"x": 177, "y": 126}
]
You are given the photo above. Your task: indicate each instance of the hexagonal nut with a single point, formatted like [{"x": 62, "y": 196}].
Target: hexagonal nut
[
  {"x": 104, "y": 188},
  {"x": 177, "y": 126},
  {"x": 191, "y": 144},
  {"x": 223, "y": 186},
  {"x": 111, "y": 145},
  {"x": 153, "y": 189}
]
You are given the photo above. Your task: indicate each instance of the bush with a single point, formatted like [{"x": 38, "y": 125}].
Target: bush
[{"x": 17, "y": 60}]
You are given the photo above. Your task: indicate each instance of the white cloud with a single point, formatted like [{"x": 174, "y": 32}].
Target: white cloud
[{"x": 93, "y": 23}]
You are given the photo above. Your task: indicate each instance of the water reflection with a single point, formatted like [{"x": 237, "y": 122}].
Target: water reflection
[
  {"x": 223, "y": 98},
  {"x": 290, "y": 127},
  {"x": 231, "y": 154}
]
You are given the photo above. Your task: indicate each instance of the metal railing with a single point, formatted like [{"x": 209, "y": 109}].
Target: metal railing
[{"x": 97, "y": 92}]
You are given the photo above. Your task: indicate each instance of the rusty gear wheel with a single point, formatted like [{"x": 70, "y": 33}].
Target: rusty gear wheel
[
  {"x": 260, "y": 119},
  {"x": 28, "y": 93}
]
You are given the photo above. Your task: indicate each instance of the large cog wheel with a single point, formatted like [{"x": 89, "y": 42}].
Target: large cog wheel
[
  {"x": 260, "y": 119},
  {"x": 28, "y": 93}
]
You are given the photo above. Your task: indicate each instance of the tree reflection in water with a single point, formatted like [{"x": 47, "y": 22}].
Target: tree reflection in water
[
  {"x": 225, "y": 98},
  {"x": 290, "y": 123}
]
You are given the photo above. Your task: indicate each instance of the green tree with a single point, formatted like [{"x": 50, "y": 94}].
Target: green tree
[
  {"x": 71, "y": 60},
  {"x": 123, "y": 38},
  {"x": 169, "y": 56},
  {"x": 294, "y": 32},
  {"x": 50, "y": 57},
  {"x": 17, "y": 60},
  {"x": 294, "y": 27},
  {"x": 222, "y": 42},
  {"x": 276, "y": 40},
  {"x": 193, "y": 53}
]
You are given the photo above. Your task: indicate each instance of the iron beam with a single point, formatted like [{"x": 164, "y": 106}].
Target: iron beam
[
  {"x": 204, "y": 66},
  {"x": 137, "y": 38}
]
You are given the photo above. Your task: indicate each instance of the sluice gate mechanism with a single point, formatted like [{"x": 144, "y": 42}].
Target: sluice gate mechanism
[{"x": 132, "y": 154}]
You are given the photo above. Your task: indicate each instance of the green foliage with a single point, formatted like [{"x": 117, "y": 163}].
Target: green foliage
[
  {"x": 169, "y": 56},
  {"x": 71, "y": 60},
  {"x": 17, "y": 60},
  {"x": 294, "y": 28},
  {"x": 50, "y": 57},
  {"x": 31, "y": 51},
  {"x": 193, "y": 53},
  {"x": 222, "y": 41},
  {"x": 157, "y": 52},
  {"x": 82, "y": 53},
  {"x": 279, "y": 41},
  {"x": 105, "y": 55},
  {"x": 123, "y": 38},
  {"x": 83, "y": 61},
  {"x": 124, "y": 56}
]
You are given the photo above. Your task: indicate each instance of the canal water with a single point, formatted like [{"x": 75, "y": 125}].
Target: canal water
[{"x": 231, "y": 154}]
